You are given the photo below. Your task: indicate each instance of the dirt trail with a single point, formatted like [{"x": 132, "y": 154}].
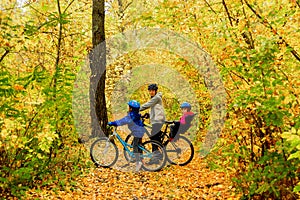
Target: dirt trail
[{"x": 194, "y": 181}]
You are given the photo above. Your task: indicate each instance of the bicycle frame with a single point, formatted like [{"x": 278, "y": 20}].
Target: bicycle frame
[
  {"x": 173, "y": 146},
  {"x": 104, "y": 152},
  {"x": 126, "y": 145},
  {"x": 164, "y": 132},
  {"x": 165, "y": 138}
]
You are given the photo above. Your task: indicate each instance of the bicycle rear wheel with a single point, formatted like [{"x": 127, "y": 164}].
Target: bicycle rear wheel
[
  {"x": 154, "y": 156},
  {"x": 104, "y": 153},
  {"x": 180, "y": 151}
]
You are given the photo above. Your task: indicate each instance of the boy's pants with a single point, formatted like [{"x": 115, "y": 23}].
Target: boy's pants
[{"x": 136, "y": 150}]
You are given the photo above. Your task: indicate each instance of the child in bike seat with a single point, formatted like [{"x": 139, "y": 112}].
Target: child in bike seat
[
  {"x": 135, "y": 125},
  {"x": 184, "y": 122}
]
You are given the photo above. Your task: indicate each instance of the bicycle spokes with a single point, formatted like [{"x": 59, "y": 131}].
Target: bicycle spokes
[{"x": 180, "y": 151}]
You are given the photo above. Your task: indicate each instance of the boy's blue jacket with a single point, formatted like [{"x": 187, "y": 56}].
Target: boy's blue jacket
[{"x": 134, "y": 122}]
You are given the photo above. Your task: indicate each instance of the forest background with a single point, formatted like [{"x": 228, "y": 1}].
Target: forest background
[{"x": 254, "y": 44}]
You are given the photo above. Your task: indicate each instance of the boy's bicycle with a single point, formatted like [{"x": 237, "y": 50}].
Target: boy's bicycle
[
  {"x": 180, "y": 150},
  {"x": 105, "y": 153}
]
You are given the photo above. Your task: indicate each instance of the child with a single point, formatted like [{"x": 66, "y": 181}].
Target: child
[
  {"x": 185, "y": 120},
  {"x": 135, "y": 125}
]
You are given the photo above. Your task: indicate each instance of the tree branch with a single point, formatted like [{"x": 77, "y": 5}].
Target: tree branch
[
  {"x": 267, "y": 24},
  {"x": 210, "y": 7},
  {"x": 234, "y": 73},
  {"x": 227, "y": 11},
  {"x": 3, "y": 56},
  {"x": 68, "y": 6}
]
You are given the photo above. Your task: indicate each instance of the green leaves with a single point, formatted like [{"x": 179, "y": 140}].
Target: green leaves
[
  {"x": 30, "y": 28},
  {"x": 37, "y": 134},
  {"x": 6, "y": 83},
  {"x": 293, "y": 139}
]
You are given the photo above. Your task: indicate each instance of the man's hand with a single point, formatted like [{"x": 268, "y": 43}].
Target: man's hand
[{"x": 146, "y": 116}]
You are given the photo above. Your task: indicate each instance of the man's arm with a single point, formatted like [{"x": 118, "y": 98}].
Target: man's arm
[{"x": 149, "y": 104}]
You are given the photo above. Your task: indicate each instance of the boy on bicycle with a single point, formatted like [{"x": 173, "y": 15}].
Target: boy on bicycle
[
  {"x": 135, "y": 125},
  {"x": 184, "y": 122}
]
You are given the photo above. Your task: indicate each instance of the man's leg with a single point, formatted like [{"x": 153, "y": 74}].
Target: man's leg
[
  {"x": 156, "y": 133},
  {"x": 174, "y": 129}
]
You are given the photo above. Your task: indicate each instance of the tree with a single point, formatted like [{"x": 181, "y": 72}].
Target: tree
[{"x": 98, "y": 108}]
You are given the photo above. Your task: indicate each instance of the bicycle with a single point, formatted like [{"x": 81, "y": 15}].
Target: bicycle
[
  {"x": 105, "y": 153},
  {"x": 180, "y": 150}
]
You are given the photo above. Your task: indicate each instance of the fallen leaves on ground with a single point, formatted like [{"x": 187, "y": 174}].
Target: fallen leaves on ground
[{"x": 193, "y": 181}]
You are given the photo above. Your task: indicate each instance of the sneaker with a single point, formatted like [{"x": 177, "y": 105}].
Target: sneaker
[{"x": 138, "y": 166}]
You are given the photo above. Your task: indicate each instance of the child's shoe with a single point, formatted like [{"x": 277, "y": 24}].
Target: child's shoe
[{"x": 138, "y": 166}]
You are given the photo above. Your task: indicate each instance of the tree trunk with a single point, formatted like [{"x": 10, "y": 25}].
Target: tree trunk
[{"x": 97, "y": 57}]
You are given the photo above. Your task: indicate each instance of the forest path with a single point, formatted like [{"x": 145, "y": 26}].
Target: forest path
[{"x": 193, "y": 181}]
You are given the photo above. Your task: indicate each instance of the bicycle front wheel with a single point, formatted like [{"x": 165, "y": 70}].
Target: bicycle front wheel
[
  {"x": 104, "y": 153},
  {"x": 180, "y": 151},
  {"x": 153, "y": 156}
]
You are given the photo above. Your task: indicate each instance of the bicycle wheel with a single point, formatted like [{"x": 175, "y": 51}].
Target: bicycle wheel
[
  {"x": 153, "y": 161},
  {"x": 129, "y": 140},
  {"x": 180, "y": 151},
  {"x": 104, "y": 153}
]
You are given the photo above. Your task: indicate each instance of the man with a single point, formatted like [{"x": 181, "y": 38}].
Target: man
[{"x": 157, "y": 113}]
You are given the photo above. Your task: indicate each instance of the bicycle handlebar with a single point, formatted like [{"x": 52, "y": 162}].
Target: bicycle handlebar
[{"x": 145, "y": 116}]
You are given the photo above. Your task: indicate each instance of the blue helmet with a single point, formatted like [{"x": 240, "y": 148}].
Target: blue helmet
[
  {"x": 185, "y": 105},
  {"x": 152, "y": 87},
  {"x": 134, "y": 104}
]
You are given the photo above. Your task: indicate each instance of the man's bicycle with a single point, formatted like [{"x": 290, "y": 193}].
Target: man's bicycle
[
  {"x": 105, "y": 153},
  {"x": 180, "y": 150}
]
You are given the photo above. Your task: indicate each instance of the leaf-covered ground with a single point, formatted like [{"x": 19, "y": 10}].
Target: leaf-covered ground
[{"x": 194, "y": 181}]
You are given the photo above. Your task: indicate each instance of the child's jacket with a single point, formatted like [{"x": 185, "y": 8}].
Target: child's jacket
[
  {"x": 183, "y": 119},
  {"x": 134, "y": 122}
]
